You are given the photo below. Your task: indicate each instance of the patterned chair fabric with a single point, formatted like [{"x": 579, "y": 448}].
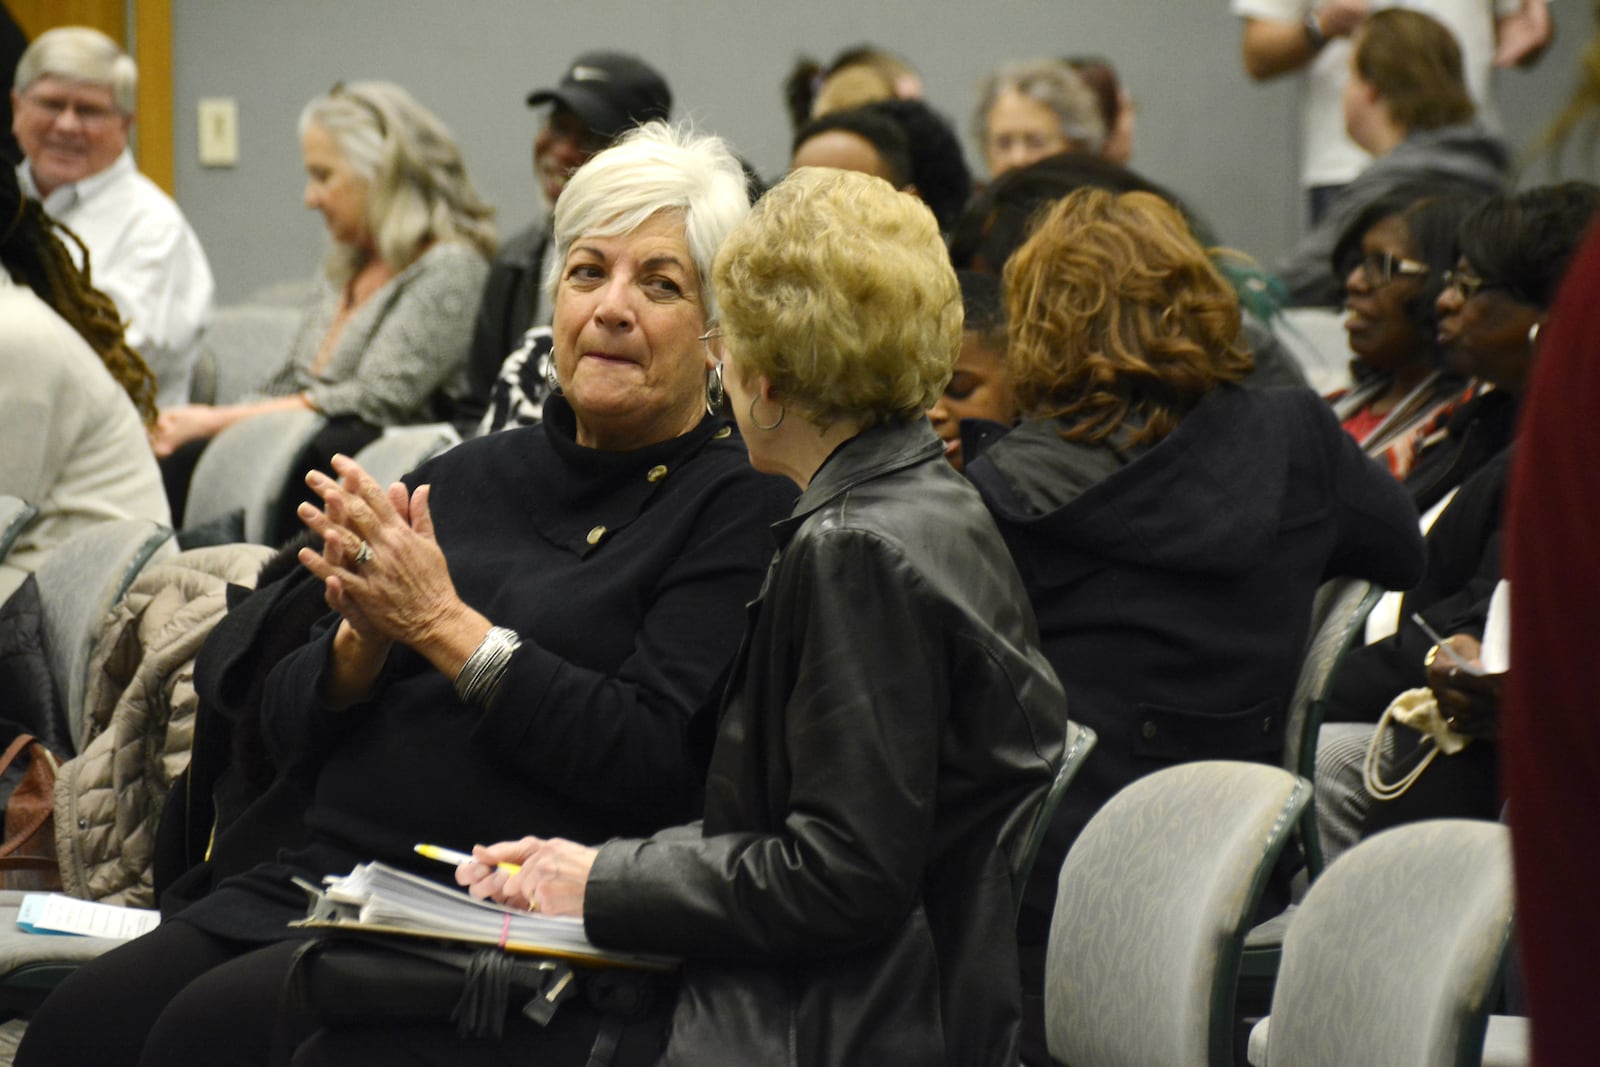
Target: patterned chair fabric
[
  {"x": 402, "y": 449},
  {"x": 80, "y": 581},
  {"x": 15, "y": 514},
  {"x": 1337, "y": 616},
  {"x": 1397, "y": 951},
  {"x": 248, "y": 467},
  {"x": 1153, "y": 903},
  {"x": 1080, "y": 740},
  {"x": 240, "y": 349}
]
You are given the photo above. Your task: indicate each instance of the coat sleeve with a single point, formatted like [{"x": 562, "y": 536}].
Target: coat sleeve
[
  {"x": 417, "y": 348},
  {"x": 860, "y": 733},
  {"x": 621, "y": 739},
  {"x": 1377, "y": 533},
  {"x": 297, "y": 729},
  {"x": 609, "y": 739}
]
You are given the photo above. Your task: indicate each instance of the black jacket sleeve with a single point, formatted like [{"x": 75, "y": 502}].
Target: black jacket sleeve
[{"x": 861, "y": 729}]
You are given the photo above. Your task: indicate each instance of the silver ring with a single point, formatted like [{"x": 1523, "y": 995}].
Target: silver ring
[{"x": 363, "y": 554}]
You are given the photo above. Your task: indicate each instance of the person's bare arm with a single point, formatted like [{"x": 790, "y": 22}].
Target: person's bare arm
[
  {"x": 1273, "y": 47},
  {"x": 176, "y": 426},
  {"x": 1521, "y": 39}
]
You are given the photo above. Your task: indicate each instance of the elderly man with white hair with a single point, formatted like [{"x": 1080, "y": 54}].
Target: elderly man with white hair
[{"x": 72, "y": 103}]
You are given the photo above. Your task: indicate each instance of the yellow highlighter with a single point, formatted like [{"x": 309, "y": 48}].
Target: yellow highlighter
[{"x": 456, "y": 859}]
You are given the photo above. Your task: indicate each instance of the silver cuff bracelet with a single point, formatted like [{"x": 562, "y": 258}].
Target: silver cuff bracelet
[{"x": 484, "y": 670}]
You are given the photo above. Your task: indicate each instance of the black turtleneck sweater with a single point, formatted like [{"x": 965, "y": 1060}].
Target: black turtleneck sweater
[{"x": 626, "y": 575}]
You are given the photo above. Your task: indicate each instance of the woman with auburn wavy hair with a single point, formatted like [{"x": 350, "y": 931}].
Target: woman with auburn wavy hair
[{"x": 1171, "y": 526}]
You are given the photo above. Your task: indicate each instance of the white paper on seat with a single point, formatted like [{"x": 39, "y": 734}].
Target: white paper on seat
[{"x": 54, "y": 913}]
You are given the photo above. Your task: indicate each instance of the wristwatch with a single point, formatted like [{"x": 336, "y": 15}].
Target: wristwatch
[{"x": 1314, "y": 32}]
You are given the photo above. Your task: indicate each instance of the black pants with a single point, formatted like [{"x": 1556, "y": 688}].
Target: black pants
[
  {"x": 177, "y": 996},
  {"x": 569, "y": 1039}
]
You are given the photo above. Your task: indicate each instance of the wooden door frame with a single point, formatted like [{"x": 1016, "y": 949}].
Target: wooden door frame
[{"x": 150, "y": 26}]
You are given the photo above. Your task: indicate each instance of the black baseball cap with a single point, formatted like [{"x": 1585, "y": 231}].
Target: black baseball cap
[{"x": 610, "y": 91}]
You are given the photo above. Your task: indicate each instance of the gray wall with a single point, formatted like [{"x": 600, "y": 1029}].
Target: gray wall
[{"x": 1205, "y": 130}]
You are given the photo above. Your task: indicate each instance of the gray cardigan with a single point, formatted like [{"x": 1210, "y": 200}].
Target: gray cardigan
[{"x": 400, "y": 349}]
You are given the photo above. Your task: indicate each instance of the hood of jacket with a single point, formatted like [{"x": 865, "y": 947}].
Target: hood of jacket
[
  {"x": 1206, "y": 499},
  {"x": 1466, "y": 152}
]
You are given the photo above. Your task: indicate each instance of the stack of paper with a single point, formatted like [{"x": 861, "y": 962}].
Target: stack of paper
[{"x": 376, "y": 896}]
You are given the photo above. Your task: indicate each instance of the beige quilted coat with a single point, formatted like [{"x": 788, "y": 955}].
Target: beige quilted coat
[{"x": 139, "y": 721}]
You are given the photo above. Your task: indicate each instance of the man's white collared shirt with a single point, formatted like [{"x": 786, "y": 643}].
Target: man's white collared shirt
[{"x": 143, "y": 255}]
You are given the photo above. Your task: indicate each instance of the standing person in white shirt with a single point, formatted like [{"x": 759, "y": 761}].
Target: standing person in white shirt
[
  {"x": 1283, "y": 36},
  {"x": 72, "y": 103}
]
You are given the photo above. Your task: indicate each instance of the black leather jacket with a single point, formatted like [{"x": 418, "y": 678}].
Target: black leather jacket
[{"x": 889, "y": 726}]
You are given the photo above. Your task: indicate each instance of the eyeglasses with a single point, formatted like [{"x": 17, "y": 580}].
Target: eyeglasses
[
  {"x": 1467, "y": 284},
  {"x": 1381, "y": 268},
  {"x": 53, "y": 107},
  {"x": 713, "y": 334}
]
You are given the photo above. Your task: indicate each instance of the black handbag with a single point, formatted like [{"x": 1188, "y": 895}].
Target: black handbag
[{"x": 362, "y": 979}]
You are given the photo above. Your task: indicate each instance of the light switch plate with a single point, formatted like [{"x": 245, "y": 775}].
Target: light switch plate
[{"x": 219, "y": 132}]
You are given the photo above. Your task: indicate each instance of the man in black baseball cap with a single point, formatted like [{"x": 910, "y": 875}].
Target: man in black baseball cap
[
  {"x": 610, "y": 91},
  {"x": 601, "y": 96}
]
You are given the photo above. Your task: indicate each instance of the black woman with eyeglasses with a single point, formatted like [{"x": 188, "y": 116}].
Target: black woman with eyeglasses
[
  {"x": 1406, "y": 103},
  {"x": 1393, "y": 258},
  {"x": 1514, "y": 249}
]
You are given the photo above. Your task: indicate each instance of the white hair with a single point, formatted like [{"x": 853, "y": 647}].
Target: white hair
[
  {"x": 418, "y": 189},
  {"x": 654, "y": 168},
  {"x": 80, "y": 54},
  {"x": 1058, "y": 87}
]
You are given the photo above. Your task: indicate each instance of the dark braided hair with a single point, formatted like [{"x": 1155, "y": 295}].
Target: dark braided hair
[{"x": 33, "y": 251}]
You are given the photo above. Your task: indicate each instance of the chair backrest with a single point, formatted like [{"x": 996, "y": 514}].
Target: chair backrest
[
  {"x": 1151, "y": 910},
  {"x": 242, "y": 346},
  {"x": 248, "y": 467},
  {"x": 1080, "y": 740},
  {"x": 403, "y": 449},
  {"x": 1316, "y": 338},
  {"x": 80, "y": 581},
  {"x": 1337, "y": 615},
  {"x": 15, "y": 514},
  {"x": 1396, "y": 953}
]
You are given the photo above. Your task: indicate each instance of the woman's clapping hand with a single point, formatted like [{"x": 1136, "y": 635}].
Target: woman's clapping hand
[{"x": 399, "y": 589}]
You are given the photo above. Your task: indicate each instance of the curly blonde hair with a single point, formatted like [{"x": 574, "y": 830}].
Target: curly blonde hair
[
  {"x": 839, "y": 290},
  {"x": 1119, "y": 320}
]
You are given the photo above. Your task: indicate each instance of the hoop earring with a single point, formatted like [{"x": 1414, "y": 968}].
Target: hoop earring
[
  {"x": 1533, "y": 335},
  {"x": 715, "y": 393},
  {"x": 550, "y": 378},
  {"x": 782, "y": 411}
]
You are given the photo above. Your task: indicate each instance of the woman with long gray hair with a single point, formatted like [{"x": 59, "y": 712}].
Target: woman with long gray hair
[{"x": 384, "y": 341}]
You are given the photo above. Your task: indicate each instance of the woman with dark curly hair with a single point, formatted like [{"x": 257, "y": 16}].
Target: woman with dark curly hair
[
  {"x": 75, "y": 400},
  {"x": 1171, "y": 527}
]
